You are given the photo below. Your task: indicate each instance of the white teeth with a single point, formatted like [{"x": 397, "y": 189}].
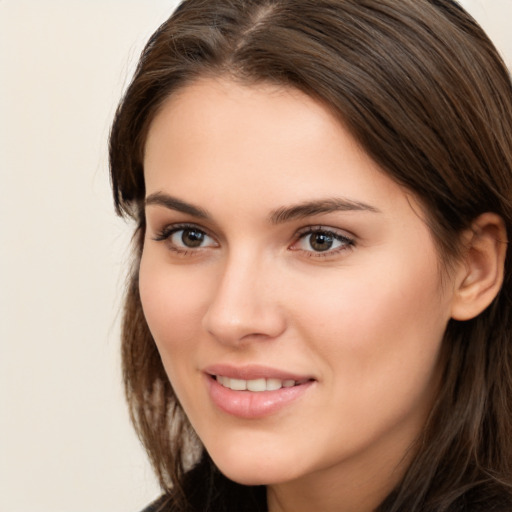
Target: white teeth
[
  {"x": 256, "y": 385},
  {"x": 274, "y": 384},
  {"x": 238, "y": 384}
]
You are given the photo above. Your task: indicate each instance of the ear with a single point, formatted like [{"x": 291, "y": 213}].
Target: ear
[{"x": 480, "y": 274}]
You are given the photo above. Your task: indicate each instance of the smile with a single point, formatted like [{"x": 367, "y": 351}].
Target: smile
[
  {"x": 254, "y": 392},
  {"x": 256, "y": 385}
]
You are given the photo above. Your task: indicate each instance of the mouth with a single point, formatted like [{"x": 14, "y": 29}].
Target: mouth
[
  {"x": 257, "y": 385},
  {"x": 255, "y": 392}
]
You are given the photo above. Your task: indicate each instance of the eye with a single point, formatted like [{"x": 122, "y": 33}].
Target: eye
[
  {"x": 182, "y": 238},
  {"x": 321, "y": 240},
  {"x": 190, "y": 238}
]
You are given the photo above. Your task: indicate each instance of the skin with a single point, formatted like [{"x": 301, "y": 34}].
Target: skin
[{"x": 364, "y": 319}]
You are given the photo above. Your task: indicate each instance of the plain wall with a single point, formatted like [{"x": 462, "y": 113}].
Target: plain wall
[{"x": 65, "y": 440}]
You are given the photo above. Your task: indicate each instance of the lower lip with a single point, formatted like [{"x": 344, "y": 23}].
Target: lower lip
[{"x": 251, "y": 404}]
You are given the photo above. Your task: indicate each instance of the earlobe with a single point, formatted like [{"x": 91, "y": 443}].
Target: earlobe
[{"x": 481, "y": 269}]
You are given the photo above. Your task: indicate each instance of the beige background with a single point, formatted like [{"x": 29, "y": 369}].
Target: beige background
[{"x": 65, "y": 440}]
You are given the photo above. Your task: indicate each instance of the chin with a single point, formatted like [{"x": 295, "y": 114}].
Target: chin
[
  {"x": 256, "y": 470},
  {"x": 250, "y": 476}
]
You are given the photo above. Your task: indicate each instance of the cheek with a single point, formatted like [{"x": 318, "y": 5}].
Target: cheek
[
  {"x": 172, "y": 304},
  {"x": 378, "y": 329},
  {"x": 366, "y": 306},
  {"x": 382, "y": 355}
]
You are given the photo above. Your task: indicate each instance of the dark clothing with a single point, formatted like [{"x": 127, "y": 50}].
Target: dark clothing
[
  {"x": 157, "y": 505},
  {"x": 162, "y": 505}
]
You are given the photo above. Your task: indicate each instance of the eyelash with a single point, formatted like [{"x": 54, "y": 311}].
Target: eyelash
[{"x": 346, "y": 242}]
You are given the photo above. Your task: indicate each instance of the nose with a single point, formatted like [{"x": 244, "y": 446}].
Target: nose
[{"x": 245, "y": 304}]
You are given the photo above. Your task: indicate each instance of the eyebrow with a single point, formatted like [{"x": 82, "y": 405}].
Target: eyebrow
[
  {"x": 172, "y": 203},
  {"x": 317, "y": 207},
  {"x": 278, "y": 216}
]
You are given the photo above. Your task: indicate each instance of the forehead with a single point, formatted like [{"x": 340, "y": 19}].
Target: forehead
[
  {"x": 219, "y": 140},
  {"x": 219, "y": 108}
]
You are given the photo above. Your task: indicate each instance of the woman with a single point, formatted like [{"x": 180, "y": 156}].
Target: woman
[{"x": 319, "y": 312}]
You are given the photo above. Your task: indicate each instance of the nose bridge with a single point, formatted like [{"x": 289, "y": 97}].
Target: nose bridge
[{"x": 243, "y": 304}]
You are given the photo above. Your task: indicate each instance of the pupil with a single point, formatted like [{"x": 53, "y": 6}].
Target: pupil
[
  {"x": 321, "y": 241},
  {"x": 192, "y": 238}
]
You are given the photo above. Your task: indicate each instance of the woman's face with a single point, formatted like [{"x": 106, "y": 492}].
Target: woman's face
[{"x": 279, "y": 258}]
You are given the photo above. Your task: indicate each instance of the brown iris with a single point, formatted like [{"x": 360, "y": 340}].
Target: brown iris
[
  {"x": 192, "y": 237},
  {"x": 321, "y": 241}
]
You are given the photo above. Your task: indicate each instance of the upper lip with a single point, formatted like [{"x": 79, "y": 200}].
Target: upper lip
[{"x": 253, "y": 371}]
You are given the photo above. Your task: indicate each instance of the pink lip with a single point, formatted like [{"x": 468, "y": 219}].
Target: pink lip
[
  {"x": 253, "y": 371},
  {"x": 253, "y": 405}
]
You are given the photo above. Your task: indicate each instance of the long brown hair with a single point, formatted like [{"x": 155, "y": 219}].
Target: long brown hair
[{"x": 424, "y": 91}]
